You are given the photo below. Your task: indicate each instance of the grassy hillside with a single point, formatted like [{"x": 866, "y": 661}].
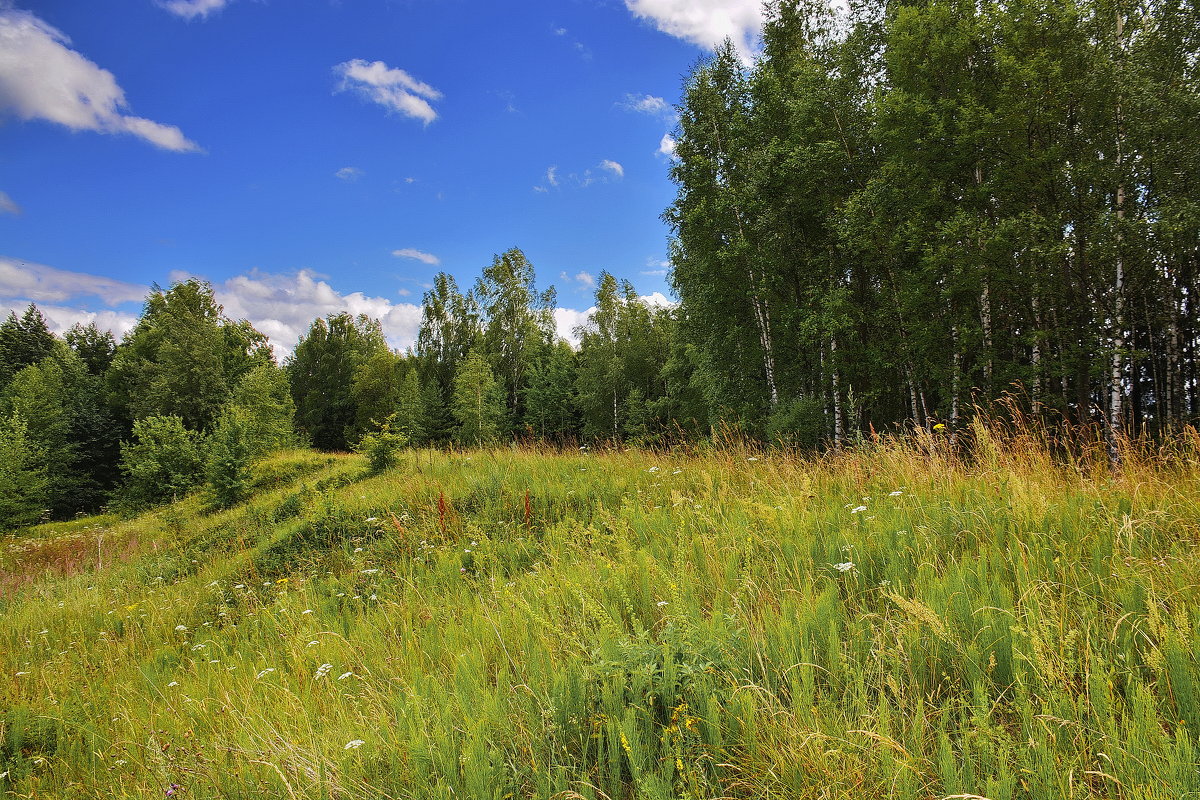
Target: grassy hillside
[{"x": 887, "y": 622}]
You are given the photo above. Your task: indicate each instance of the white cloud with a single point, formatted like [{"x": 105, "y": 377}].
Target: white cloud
[
  {"x": 566, "y": 320},
  {"x": 613, "y": 167},
  {"x": 417, "y": 255},
  {"x": 666, "y": 146},
  {"x": 394, "y": 89},
  {"x": 7, "y": 206},
  {"x": 60, "y": 318},
  {"x": 349, "y": 174},
  {"x": 648, "y": 104},
  {"x": 190, "y": 9},
  {"x": 20, "y": 280},
  {"x": 541, "y": 189},
  {"x": 552, "y": 176},
  {"x": 705, "y": 23},
  {"x": 283, "y": 306},
  {"x": 586, "y": 280},
  {"x": 42, "y": 78}
]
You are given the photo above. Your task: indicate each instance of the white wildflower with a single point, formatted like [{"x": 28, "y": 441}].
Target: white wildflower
[
  {"x": 181, "y": 628},
  {"x": 354, "y": 744},
  {"x": 345, "y": 675},
  {"x": 306, "y": 611},
  {"x": 370, "y": 571},
  {"x": 858, "y": 509},
  {"x": 322, "y": 671},
  {"x": 662, "y": 603},
  {"x": 845, "y": 566},
  {"x": 896, "y": 493}
]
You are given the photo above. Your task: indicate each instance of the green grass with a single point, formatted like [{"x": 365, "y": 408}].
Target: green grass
[{"x": 519, "y": 624}]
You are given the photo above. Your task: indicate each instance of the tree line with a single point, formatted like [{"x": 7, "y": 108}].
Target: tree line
[
  {"x": 915, "y": 206},
  {"x": 190, "y": 398}
]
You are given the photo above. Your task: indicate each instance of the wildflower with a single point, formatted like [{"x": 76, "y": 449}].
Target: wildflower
[
  {"x": 752, "y": 458},
  {"x": 266, "y": 671},
  {"x": 373, "y": 571},
  {"x": 313, "y": 643},
  {"x": 19, "y": 674},
  {"x": 322, "y": 671},
  {"x": 358, "y": 549},
  {"x": 173, "y": 683},
  {"x": 181, "y": 628},
  {"x": 306, "y": 611},
  {"x": 662, "y": 603},
  {"x": 172, "y": 789},
  {"x": 896, "y": 493},
  {"x": 353, "y": 744},
  {"x": 372, "y": 519},
  {"x": 282, "y": 580},
  {"x": 858, "y": 509},
  {"x": 939, "y": 427},
  {"x": 345, "y": 675},
  {"x": 845, "y": 566}
]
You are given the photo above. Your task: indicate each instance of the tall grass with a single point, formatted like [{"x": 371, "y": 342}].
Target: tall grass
[{"x": 896, "y": 619}]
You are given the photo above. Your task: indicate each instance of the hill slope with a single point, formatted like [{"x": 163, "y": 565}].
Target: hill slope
[{"x": 884, "y": 623}]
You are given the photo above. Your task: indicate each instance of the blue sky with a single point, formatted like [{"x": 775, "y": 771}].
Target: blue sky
[{"x": 314, "y": 156}]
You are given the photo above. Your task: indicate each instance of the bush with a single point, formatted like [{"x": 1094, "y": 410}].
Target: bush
[
  {"x": 228, "y": 467},
  {"x": 163, "y": 462},
  {"x": 382, "y": 447}
]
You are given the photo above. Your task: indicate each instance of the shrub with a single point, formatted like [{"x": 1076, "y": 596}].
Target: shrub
[
  {"x": 164, "y": 461},
  {"x": 228, "y": 467},
  {"x": 382, "y": 447}
]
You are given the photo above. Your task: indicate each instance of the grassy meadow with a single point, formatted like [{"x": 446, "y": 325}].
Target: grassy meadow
[{"x": 889, "y": 621}]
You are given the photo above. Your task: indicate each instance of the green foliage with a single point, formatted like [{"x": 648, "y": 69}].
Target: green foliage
[
  {"x": 183, "y": 358},
  {"x": 93, "y": 346},
  {"x": 411, "y": 417},
  {"x": 24, "y": 341},
  {"x": 382, "y": 446},
  {"x": 262, "y": 400},
  {"x": 230, "y": 448},
  {"x": 163, "y": 462},
  {"x": 24, "y": 484},
  {"x": 478, "y": 405},
  {"x": 322, "y": 373}
]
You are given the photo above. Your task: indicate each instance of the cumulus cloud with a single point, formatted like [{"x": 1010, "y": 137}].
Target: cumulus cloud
[
  {"x": 190, "y": 9},
  {"x": 7, "y": 206},
  {"x": 552, "y": 176},
  {"x": 705, "y": 23},
  {"x": 613, "y": 167},
  {"x": 283, "y": 306},
  {"x": 417, "y": 255},
  {"x": 59, "y": 319},
  {"x": 394, "y": 89},
  {"x": 648, "y": 104},
  {"x": 567, "y": 321},
  {"x": 349, "y": 174},
  {"x": 41, "y": 77},
  {"x": 21, "y": 280},
  {"x": 666, "y": 146}
]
